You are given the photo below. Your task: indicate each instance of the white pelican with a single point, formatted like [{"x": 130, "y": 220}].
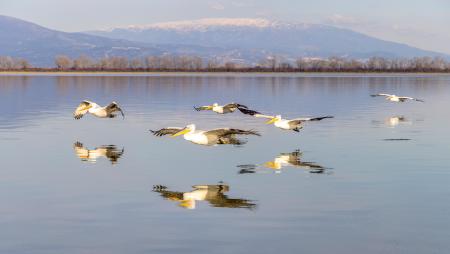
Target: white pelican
[
  {"x": 395, "y": 98},
  {"x": 91, "y": 155},
  {"x": 290, "y": 124},
  {"x": 96, "y": 110},
  {"x": 228, "y": 108},
  {"x": 210, "y": 137},
  {"x": 213, "y": 194},
  {"x": 286, "y": 160}
]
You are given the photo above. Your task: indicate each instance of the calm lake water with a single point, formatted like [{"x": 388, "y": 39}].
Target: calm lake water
[{"x": 375, "y": 179}]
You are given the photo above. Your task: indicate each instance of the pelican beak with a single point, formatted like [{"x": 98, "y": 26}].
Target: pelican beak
[
  {"x": 182, "y": 132},
  {"x": 272, "y": 121},
  {"x": 188, "y": 204},
  {"x": 271, "y": 165},
  {"x": 88, "y": 107}
]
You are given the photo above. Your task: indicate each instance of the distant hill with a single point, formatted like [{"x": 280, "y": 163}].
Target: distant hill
[
  {"x": 40, "y": 45},
  {"x": 240, "y": 40},
  {"x": 261, "y": 36}
]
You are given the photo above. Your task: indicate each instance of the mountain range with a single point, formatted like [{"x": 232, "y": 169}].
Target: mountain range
[{"x": 240, "y": 40}]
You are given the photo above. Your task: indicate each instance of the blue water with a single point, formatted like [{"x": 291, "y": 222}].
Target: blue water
[{"x": 385, "y": 187}]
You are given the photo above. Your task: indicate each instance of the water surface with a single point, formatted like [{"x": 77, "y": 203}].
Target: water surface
[{"x": 109, "y": 186}]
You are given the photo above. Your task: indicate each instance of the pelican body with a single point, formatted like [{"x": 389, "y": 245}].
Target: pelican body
[
  {"x": 97, "y": 110},
  {"x": 290, "y": 124},
  {"x": 395, "y": 98},
  {"x": 209, "y": 137}
]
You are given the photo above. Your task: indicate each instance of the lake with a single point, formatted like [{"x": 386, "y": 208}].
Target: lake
[{"x": 373, "y": 179}]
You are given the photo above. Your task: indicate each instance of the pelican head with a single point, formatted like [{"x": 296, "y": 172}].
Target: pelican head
[
  {"x": 215, "y": 104},
  {"x": 275, "y": 119},
  {"x": 189, "y": 128}
]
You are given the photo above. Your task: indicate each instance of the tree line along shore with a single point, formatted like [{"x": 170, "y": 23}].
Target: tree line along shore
[{"x": 169, "y": 63}]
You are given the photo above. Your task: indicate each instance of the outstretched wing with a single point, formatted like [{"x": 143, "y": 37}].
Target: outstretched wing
[
  {"x": 203, "y": 108},
  {"x": 304, "y": 119},
  {"x": 247, "y": 111},
  {"x": 233, "y": 106},
  {"x": 81, "y": 110},
  {"x": 228, "y": 131},
  {"x": 381, "y": 94},
  {"x": 114, "y": 107},
  {"x": 166, "y": 131},
  {"x": 403, "y": 98}
]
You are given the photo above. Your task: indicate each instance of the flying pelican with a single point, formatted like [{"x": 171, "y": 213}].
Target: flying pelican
[
  {"x": 211, "y": 137},
  {"x": 395, "y": 98},
  {"x": 213, "y": 194},
  {"x": 228, "y": 108},
  {"x": 98, "y": 111},
  {"x": 286, "y": 160},
  {"x": 91, "y": 155},
  {"x": 290, "y": 124}
]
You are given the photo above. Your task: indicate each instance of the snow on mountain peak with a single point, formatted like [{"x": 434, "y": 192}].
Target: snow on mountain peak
[{"x": 203, "y": 24}]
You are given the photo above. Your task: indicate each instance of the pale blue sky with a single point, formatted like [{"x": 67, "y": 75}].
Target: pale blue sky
[{"x": 421, "y": 23}]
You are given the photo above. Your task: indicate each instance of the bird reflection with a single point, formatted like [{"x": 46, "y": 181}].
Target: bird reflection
[
  {"x": 394, "y": 121},
  {"x": 213, "y": 194},
  {"x": 91, "y": 155},
  {"x": 285, "y": 160}
]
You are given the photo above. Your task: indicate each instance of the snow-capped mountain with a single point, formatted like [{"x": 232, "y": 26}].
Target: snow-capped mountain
[
  {"x": 238, "y": 40},
  {"x": 40, "y": 45},
  {"x": 262, "y": 35}
]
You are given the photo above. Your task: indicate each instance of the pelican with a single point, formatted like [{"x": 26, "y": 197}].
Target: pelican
[
  {"x": 228, "y": 108},
  {"x": 395, "y": 98},
  {"x": 213, "y": 194},
  {"x": 210, "y": 137},
  {"x": 96, "y": 110},
  {"x": 286, "y": 160},
  {"x": 91, "y": 155},
  {"x": 290, "y": 124}
]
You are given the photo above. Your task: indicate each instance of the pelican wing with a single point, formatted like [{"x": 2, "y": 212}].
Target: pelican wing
[
  {"x": 233, "y": 106},
  {"x": 81, "y": 110},
  {"x": 228, "y": 131},
  {"x": 381, "y": 94},
  {"x": 114, "y": 107},
  {"x": 403, "y": 98},
  {"x": 247, "y": 111},
  {"x": 203, "y": 108},
  {"x": 304, "y": 119},
  {"x": 166, "y": 131}
]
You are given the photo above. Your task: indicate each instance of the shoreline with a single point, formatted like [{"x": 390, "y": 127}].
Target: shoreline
[{"x": 194, "y": 73}]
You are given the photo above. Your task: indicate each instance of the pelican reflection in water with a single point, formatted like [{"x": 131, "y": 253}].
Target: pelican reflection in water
[
  {"x": 213, "y": 194},
  {"x": 393, "y": 121},
  {"x": 91, "y": 155},
  {"x": 285, "y": 160}
]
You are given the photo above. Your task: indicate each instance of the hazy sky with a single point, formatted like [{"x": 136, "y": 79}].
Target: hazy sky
[{"x": 421, "y": 23}]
